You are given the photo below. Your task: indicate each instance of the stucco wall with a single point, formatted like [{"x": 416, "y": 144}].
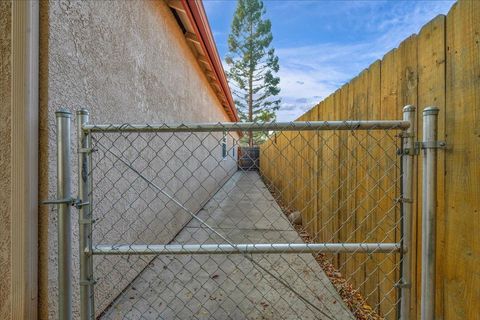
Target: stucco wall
[
  {"x": 126, "y": 62},
  {"x": 5, "y": 154}
]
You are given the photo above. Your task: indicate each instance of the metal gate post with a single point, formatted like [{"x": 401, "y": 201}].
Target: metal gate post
[
  {"x": 407, "y": 203},
  {"x": 85, "y": 218},
  {"x": 63, "y": 118},
  {"x": 429, "y": 186}
]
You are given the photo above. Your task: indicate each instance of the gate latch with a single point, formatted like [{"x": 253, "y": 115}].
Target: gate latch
[
  {"x": 420, "y": 145},
  {"x": 77, "y": 203}
]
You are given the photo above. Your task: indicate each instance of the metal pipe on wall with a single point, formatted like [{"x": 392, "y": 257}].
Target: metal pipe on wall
[
  {"x": 429, "y": 187},
  {"x": 64, "y": 193},
  {"x": 22, "y": 54}
]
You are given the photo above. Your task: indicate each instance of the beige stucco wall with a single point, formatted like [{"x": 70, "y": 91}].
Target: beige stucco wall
[
  {"x": 5, "y": 154},
  {"x": 126, "y": 61}
]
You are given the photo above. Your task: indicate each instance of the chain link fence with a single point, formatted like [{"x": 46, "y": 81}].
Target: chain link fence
[
  {"x": 344, "y": 187},
  {"x": 176, "y": 229}
]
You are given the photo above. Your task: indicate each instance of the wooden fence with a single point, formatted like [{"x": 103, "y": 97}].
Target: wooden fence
[{"x": 441, "y": 67}]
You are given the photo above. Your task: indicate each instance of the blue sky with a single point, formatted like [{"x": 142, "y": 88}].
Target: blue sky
[{"x": 323, "y": 44}]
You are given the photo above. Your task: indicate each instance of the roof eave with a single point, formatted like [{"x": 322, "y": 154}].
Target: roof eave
[{"x": 202, "y": 36}]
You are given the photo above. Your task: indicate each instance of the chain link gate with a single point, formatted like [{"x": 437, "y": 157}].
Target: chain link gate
[{"x": 172, "y": 228}]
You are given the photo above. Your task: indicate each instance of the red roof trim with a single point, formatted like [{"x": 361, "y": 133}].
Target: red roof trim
[{"x": 198, "y": 18}]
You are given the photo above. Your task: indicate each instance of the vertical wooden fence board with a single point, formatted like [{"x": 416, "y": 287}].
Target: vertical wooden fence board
[
  {"x": 264, "y": 170},
  {"x": 319, "y": 208},
  {"x": 328, "y": 176},
  {"x": 286, "y": 181},
  {"x": 371, "y": 292},
  {"x": 286, "y": 174},
  {"x": 313, "y": 170},
  {"x": 347, "y": 98},
  {"x": 266, "y": 161},
  {"x": 314, "y": 173},
  {"x": 309, "y": 164},
  {"x": 350, "y": 219},
  {"x": 342, "y": 173},
  {"x": 295, "y": 159},
  {"x": 431, "y": 91},
  {"x": 302, "y": 169},
  {"x": 389, "y": 105},
  {"x": 359, "y": 112},
  {"x": 462, "y": 180},
  {"x": 407, "y": 82},
  {"x": 304, "y": 186},
  {"x": 279, "y": 177},
  {"x": 301, "y": 165},
  {"x": 327, "y": 163},
  {"x": 287, "y": 168},
  {"x": 321, "y": 175},
  {"x": 335, "y": 181},
  {"x": 269, "y": 158},
  {"x": 278, "y": 162},
  {"x": 320, "y": 192}
]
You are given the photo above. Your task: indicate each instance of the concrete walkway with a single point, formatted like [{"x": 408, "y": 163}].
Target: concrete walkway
[{"x": 231, "y": 286}]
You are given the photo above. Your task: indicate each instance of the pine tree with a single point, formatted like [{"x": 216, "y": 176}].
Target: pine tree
[{"x": 252, "y": 65}]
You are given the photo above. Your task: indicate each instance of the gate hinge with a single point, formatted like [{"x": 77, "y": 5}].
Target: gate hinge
[
  {"x": 403, "y": 200},
  {"x": 88, "y": 282},
  {"x": 403, "y": 285},
  {"x": 77, "y": 203},
  {"x": 407, "y": 152},
  {"x": 86, "y": 150},
  {"x": 86, "y": 221},
  {"x": 405, "y": 134}
]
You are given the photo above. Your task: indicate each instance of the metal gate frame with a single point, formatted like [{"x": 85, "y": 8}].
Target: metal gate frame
[{"x": 408, "y": 151}]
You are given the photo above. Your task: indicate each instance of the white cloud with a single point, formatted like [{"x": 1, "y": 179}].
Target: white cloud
[{"x": 310, "y": 73}]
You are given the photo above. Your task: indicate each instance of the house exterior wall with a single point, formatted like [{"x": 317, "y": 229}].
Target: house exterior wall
[
  {"x": 5, "y": 154},
  {"x": 126, "y": 62}
]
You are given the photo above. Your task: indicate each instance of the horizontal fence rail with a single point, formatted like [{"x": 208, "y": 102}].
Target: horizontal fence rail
[
  {"x": 260, "y": 248},
  {"x": 252, "y": 126}
]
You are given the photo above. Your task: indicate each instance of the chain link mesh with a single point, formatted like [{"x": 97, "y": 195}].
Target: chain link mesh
[{"x": 155, "y": 187}]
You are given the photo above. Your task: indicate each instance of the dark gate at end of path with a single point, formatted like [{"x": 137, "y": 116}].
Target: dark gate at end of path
[{"x": 249, "y": 158}]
